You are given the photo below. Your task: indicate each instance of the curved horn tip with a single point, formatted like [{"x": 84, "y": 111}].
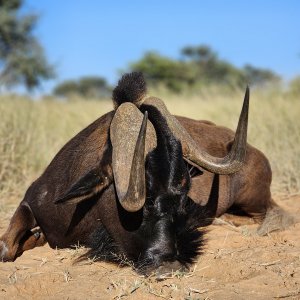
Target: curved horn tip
[
  {"x": 247, "y": 93},
  {"x": 144, "y": 122},
  {"x": 245, "y": 107}
]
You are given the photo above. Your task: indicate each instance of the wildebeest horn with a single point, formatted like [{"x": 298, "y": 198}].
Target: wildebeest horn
[
  {"x": 231, "y": 163},
  {"x": 132, "y": 137}
]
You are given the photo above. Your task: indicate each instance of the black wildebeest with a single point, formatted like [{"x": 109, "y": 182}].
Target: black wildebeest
[{"x": 128, "y": 187}]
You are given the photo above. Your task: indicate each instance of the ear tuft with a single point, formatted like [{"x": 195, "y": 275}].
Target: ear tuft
[{"x": 131, "y": 88}]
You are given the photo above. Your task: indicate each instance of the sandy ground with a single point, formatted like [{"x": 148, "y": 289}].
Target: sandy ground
[{"x": 236, "y": 265}]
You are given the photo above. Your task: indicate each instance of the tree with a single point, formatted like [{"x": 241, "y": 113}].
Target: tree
[
  {"x": 260, "y": 77},
  {"x": 202, "y": 54},
  {"x": 94, "y": 87},
  {"x": 158, "y": 69},
  {"x": 86, "y": 87},
  {"x": 199, "y": 66},
  {"x": 66, "y": 88},
  {"x": 209, "y": 68},
  {"x": 22, "y": 59}
]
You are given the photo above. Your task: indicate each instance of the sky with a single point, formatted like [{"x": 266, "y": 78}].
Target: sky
[{"x": 101, "y": 38}]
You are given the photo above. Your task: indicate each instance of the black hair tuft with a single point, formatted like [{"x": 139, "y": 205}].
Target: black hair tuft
[{"x": 131, "y": 88}]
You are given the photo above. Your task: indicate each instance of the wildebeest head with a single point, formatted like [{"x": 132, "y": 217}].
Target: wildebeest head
[
  {"x": 147, "y": 161},
  {"x": 130, "y": 99}
]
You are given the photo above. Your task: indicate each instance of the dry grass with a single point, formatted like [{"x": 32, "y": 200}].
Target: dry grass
[{"x": 31, "y": 132}]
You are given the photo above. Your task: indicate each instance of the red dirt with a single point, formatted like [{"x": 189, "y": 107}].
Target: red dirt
[{"x": 235, "y": 265}]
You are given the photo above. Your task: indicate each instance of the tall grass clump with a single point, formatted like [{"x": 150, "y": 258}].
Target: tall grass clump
[{"x": 31, "y": 132}]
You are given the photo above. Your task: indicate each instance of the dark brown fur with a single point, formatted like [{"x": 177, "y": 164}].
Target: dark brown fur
[{"x": 66, "y": 225}]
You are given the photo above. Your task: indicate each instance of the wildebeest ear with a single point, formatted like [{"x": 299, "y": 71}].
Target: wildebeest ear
[{"x": 90, "y": 184}]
